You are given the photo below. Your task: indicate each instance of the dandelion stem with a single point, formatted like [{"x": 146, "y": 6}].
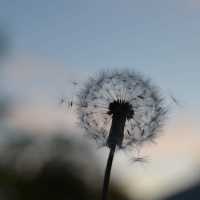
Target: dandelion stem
[{"x": 107, "y": 173}]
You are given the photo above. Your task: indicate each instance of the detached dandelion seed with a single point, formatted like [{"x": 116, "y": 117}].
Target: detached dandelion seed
[{"x": 120, "y": 109}]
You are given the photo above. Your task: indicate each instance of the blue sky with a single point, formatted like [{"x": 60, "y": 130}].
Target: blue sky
[{"x": 159, "y": 38}]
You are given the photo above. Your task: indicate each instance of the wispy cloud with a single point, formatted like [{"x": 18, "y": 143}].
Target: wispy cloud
[{"x": 32, "y": 78}]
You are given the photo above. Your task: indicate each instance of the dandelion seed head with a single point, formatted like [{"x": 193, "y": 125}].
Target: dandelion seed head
[{"x": 120, "y": 93}]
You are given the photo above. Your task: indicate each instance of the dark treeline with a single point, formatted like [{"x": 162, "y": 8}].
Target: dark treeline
[{"x": 52, "y": 168}]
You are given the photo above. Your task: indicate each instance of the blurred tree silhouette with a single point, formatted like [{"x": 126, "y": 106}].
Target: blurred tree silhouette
[
  {"x": 51, "y": 168},
  {"x": 191, "y": 193}
]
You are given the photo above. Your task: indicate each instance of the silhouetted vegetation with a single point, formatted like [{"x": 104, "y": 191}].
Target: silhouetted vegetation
[
  {"x": 51, "y": 168},
  {"x": 192, "y": 193}
]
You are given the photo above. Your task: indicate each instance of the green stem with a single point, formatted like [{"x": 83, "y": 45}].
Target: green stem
[{"x": 107, "y": 173}]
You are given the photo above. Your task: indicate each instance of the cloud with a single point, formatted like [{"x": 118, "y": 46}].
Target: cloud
[
  {"x": 43, "y": 117},
  {"x": 33, "y": 78}
]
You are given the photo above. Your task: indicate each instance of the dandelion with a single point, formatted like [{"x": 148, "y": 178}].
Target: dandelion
[{"x": 120, "y": 109}]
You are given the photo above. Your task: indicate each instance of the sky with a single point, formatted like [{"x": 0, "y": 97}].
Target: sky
[
  {"x": 157, "y": 38},
  {"x": 53, "y": 43}
]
